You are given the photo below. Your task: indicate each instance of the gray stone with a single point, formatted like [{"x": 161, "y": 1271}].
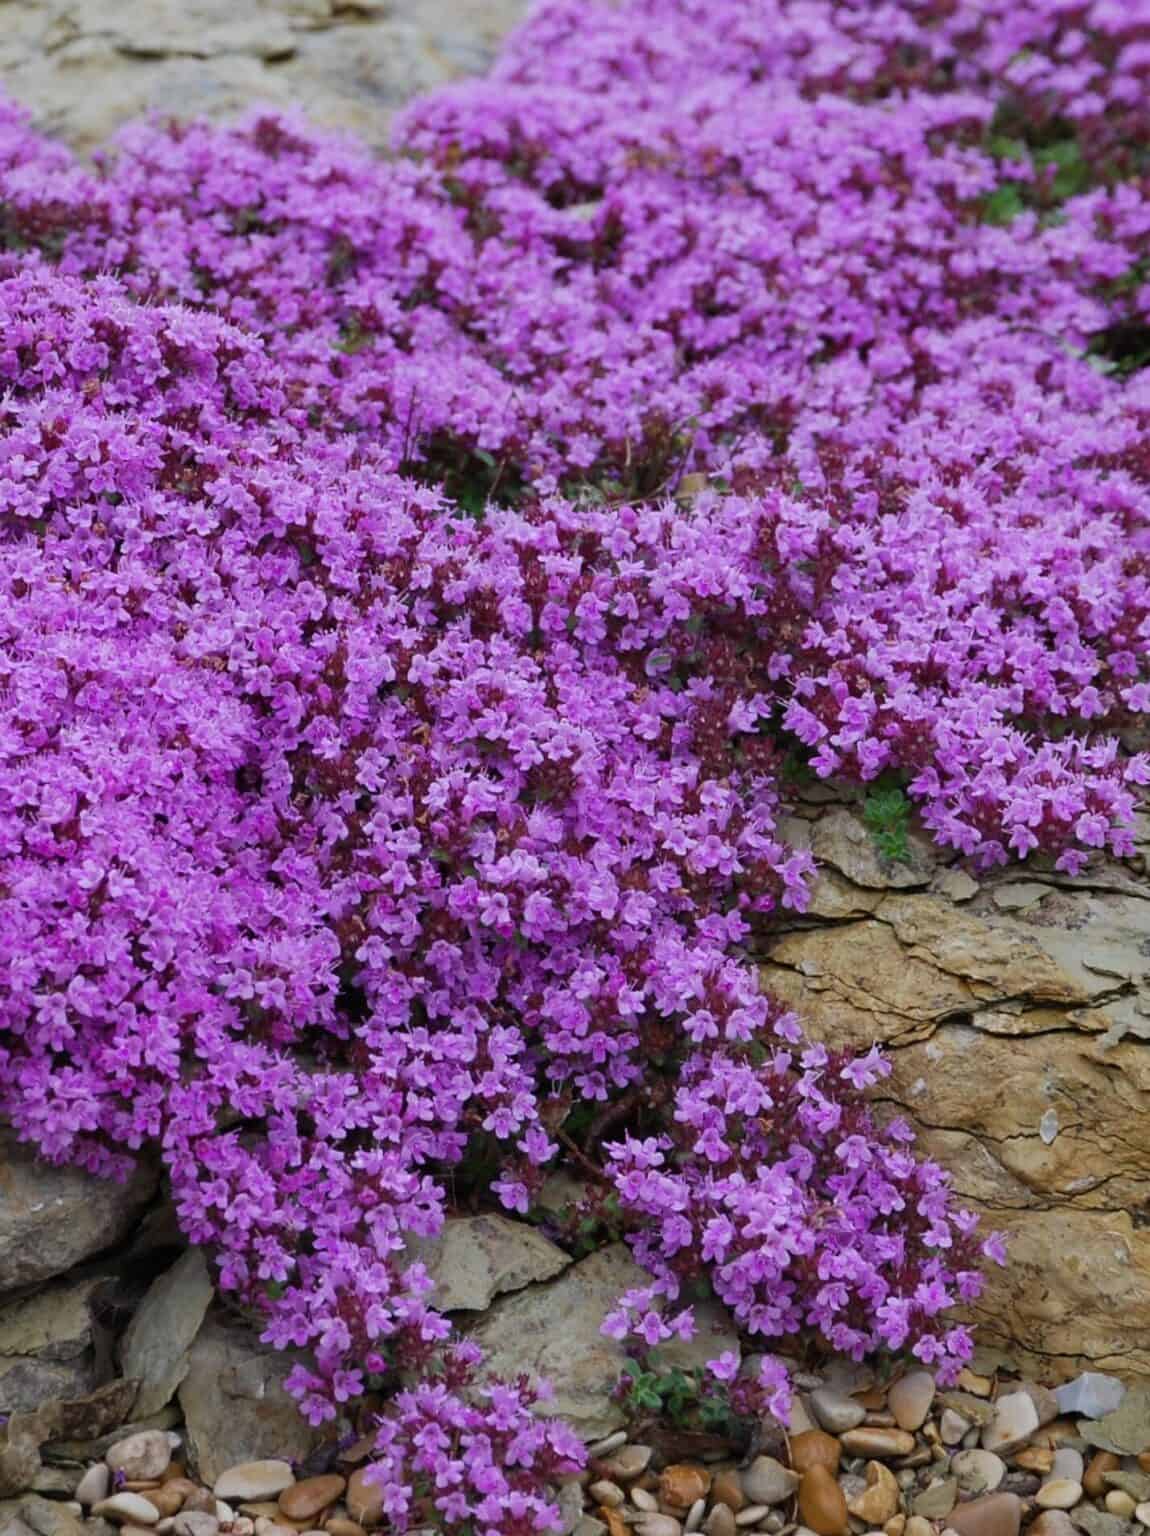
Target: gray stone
[
  {"x": 1097, "y": 1522},
  {"x": 836, "y": 1412},
  {"x": 1125, "y": 1431},
  {"x": 94, "y": 1485},
  {"x": 46, "y": 1346},
  {"x": 767, "y": 1481},
  {"x": 554, "y": 1331},
  {"x": 48, "y": 1518},
  {"x": 1092, "y": 1395},
  {"x": 1136, "y": 1484},
  {"x": 127, "y": 1509},
  {"x": 156, "y": 1346},
  {"x": 476, "y": 1258},
  {"x": 234, "y": 1402},
  {"x": 1068, "y": 1463},
  {"x": 937, "y": 1501},
  {"x": 53, "y": 1218}
]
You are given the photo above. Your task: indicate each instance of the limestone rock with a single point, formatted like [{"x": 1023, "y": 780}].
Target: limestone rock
[
  {"x": 156, "y": 1345},
  {"x": 348, "y": 65},
  {"x": 235, "y": 1405},
  {"x": 1018, "y": 1034},
  {"x": 53, "y": 1218},
  {"x": 553, "y": 1330},
  {"x": 46, "y": 1346},
  {"x": 476, "y": 1258},
  {"x": 1092, "y": 1395}
]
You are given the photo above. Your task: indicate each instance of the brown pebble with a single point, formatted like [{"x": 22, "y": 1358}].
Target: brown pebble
[
  {"x": 340, "y": 1525},
  {"x": 1144, "y": 1460},
  {"x": 176, "y": 1472},
  {"x": 304, "y": 1500},
  {"x": 169, "y": 1499},
  {"x": 727, "y": 1489},
  {"x": 998, "y": 1514},
  {"x": 815, "y": 1448},
  {"x": 201, "y": 1501},
  {"x": 879, "y": 1502},
  {"x": 822, "y": 1503},
  {"x": 681, "y": 1484},
  {"x": 1034, "y": 1458},
  {"x": 613, "y": 1520},
  {"x": 1094, "y": 1478},
  {"x": 182, "y": 1484}
]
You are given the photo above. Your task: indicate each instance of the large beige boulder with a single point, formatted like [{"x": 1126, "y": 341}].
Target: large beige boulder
[{"x": 1016, "y": 1013}]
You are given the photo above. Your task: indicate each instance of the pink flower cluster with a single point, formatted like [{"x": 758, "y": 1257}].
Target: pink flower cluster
[{"x": 416, "y": 578}]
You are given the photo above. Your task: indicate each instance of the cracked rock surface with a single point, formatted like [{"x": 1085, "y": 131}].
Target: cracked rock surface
[
  {"x": 1016, "y": 1013},
  {"x": 85, "y": 66}
]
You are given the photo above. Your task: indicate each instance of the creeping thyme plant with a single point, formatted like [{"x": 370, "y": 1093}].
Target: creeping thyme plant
[{"x": 415, "y": 576}]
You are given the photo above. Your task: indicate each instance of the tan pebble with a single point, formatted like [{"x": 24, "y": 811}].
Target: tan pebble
[
  {"x": 604, "y": 1492},
  {"x": 364, "y": 1499},
  {"x": 340, "y": 1525},
  {"x": 970, "y": 1381},
  {"x": 877, "y": 1443},
  {"x": 181, "y": 1485},
  {"x": 682, "y": 1483},
  {"x": 822, "y": 1503},
  {"x": 616, "y": 1525},
  {"x": 1057, "y": 1433},
  {"x": 169, "y": 1499},
  {"x": 251, "y": 1480},
  {"x": 176, "y": 1469},
  {"x": 196, "y": 1524},
  {"x": 695, "y": 1516},
  {"x": 1120, "y": 1503},
  {"x": 918, "y": 1525},
  {"x": 94, "y": 1484},
  {"x": 752, "y": 1514},
  {"x": 306, "y": 1499},
  {"x": 1034, "y": 1458},
  {"x": 727, "y": 1489},
  {"x": 266, "y": 1509},
  {"x": 138, "y": 1484},
  {"x": 1094, "y": 1478},
  {"x": 895, "y": 1526},
  {"x": 910, "y": 1399},
  {"x": 1053, "y": 1522},
  {"x": 127, "y": 1509},
  {"x": 1144, "y": 1460},
  {"x": 644, "y": 1499},
  {"x": 880, "y": 1500},
  {"x": 658, "y": 1525},
  {"x": 1142, "y": 1511},
  {"x": 1059, "y": 1493},
  {"x": 139, "y": 1530},
  {"x": 720, "y": 1522},
  {"x": 628, "y": 1462},
  {"x": 142, "y": 1457},
  {"x": 815, "y": 1448}
]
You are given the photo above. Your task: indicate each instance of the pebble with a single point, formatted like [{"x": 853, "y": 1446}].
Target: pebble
[
  {"x": 641, "y": 1499},
  {"x": 200, "y": 1501},
  {"x": 94, "y": 1485},
  {"x": 1040, "y": 1458},
  {"x": 1120, "y": 1504},
  {"x": 969, "y": 1381},
  {"x": 364, "y": 1500},
  {"x": 937, "y": 1501},
  {"x": 727, "y": 1488},
  {"x": 127, "y": 1508},
  {"x": 822, "y": 1503},
  {"x": 254, "y": 1480},
  {"x": 814, "y": 1448},
  {"x": 1053, "y": 1522},
  {"x": 835, "y": 1411},
  {"x": 604, "y": 1447},
  {"x": 628, "y": 1462},
  {"x": 1059, "y": 1493},
  {"x": 1066, "y": 1462},
  {"x": 606, "y": 1492},
  {"x": 978, "y": 1471},
  {"x": 1142, "y": 1514},
  {"x": 193, "y": 1523},
  {"x": 879, "y": 1443},
  {"x": 952, "y": 1426},
  {"x": 1136, "y": 1484},
  {"x": 695, "y": 1515},
  {"x": 751, "y": 1515},
  {"x": 1044, "y": 1400},
  {"x": 767, "y": 1481},
  {"x": 340, "y": 1525},
  {"x": 999, "y": 1514},
  {"x": 682, "y": 1483},
  {"x": 142, "y": 1457},
  {"x": 303, "y": 1501},
  {"x": 720, "y": 1522},
  {"x": 659, "y": 1525},
  {"x": 917, "y": 1526},
  {"x": 587, "y": 1526},
  {"x": 46, "y": 1517},
  {"x": 1094, "y": 1478},
  {"x": 1093, "y": 1395},
  {"x": 910, "y": 1398},
  {"x": 1015, "y": 1420},
  {"x": 880, "y": 1501}
]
